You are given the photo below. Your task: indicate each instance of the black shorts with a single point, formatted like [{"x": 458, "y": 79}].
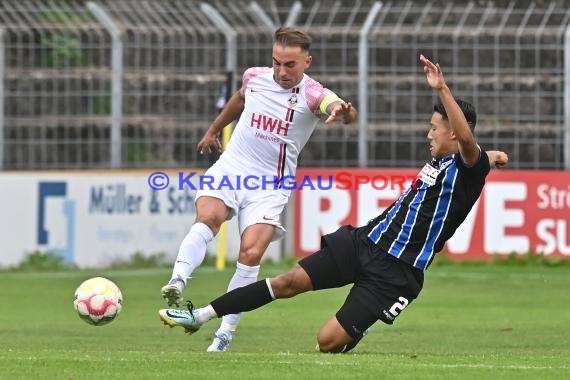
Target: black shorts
[{"x": 383, "y": 284}]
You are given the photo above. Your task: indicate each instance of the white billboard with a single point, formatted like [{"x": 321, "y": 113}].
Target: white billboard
[{"x": 93, "y": 220}]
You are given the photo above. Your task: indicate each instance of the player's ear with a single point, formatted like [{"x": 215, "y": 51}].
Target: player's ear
[
  {"x": 308, "y": 61},
  {"x": 453, "y": 137}
]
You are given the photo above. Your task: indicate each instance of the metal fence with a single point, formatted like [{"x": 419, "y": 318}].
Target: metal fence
[{"x": 125, "y": 83}]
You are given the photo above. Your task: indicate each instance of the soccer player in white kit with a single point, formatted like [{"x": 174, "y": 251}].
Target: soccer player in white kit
[{"x": 278, "y": 109}]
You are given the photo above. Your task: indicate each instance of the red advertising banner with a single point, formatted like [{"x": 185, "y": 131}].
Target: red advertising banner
[{"x": 518, "y": 211}]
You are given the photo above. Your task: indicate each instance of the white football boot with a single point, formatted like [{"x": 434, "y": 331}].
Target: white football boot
[
  {"x": 172, "y": 292},
  {"x": 221, "y": 341}
]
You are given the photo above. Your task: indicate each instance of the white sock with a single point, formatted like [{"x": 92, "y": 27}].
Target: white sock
[
  {"x": 192, "y": 251},
  {"x": 206, "y": 313},
  {"x": 244, "y": 275}
]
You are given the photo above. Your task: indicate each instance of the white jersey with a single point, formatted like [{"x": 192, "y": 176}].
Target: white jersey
[{"x": 274, "y": 125}]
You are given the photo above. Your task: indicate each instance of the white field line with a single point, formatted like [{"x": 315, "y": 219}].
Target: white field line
[
  {"x": 414, "y": 365},
  {"x": 299, "y": 360}
]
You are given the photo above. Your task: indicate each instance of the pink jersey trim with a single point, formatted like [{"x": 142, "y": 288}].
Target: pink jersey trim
[
  {"x": 250, "y": 73},
  {"x": 314, "y": 94}
]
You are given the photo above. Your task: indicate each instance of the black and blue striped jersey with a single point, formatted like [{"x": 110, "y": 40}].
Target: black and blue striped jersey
[{"x": 417, "y": 225}]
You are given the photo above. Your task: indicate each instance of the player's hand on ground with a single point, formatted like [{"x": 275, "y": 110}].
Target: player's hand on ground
[
  {"x": 340, "y": 111},
  {"x": 210, "y": 143},
  {"x": 433, "y": 72}
]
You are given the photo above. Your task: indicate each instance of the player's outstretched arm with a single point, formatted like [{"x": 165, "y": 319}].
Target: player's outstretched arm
[
  {"x": 467, "y": 145},
  {"x": 233, "y": 109},
  {"x": 497, "y": 158}
]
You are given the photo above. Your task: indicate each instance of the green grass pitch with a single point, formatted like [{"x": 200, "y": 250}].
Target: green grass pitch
[{"x": 470, "y": 322}]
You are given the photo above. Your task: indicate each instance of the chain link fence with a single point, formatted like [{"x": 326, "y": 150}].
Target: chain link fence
[{"x": 125, "y": 83}]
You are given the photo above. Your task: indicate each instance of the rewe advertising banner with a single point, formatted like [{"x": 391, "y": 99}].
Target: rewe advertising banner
[{"x": 518, "y": 211}]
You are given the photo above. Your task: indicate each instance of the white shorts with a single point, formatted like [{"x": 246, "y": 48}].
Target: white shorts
[{"x": 252, "y": 206}]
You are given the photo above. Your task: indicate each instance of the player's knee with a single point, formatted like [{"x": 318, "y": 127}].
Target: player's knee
[
  {"x": 250, "y": 256},
  {"x": 332, "y": 337},
  {"x": 282, "y": 285},
  {"x": 288, "y": 284},
  {"x": 212, "y": 212},
  {"x": 329, "y": 344},
  {"x": 211, "y": 222}
]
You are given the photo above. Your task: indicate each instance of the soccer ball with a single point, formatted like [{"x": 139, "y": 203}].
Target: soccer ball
[{"x": 98, "y": 301}]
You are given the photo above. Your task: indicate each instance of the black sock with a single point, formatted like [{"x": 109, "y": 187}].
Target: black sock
[{"x": 246, "y": 298}]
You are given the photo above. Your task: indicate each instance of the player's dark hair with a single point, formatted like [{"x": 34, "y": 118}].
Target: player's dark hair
[
  {"x": 289, "y": 36},
  {"x": 467, "y": 109}
]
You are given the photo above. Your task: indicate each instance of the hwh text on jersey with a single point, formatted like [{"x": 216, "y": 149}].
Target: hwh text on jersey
[{"x": 267, "y": 123}]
